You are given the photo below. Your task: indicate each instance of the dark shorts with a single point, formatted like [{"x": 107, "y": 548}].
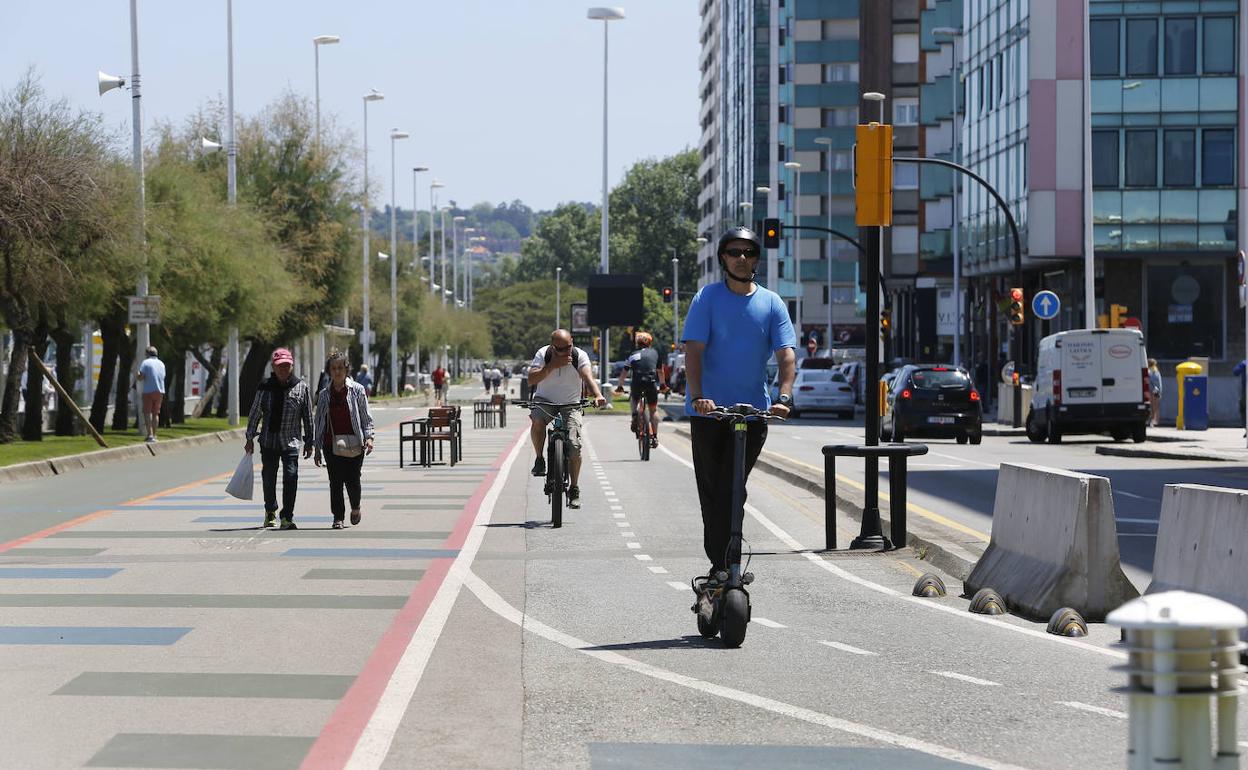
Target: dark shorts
[{"x": 646, "y": 389}]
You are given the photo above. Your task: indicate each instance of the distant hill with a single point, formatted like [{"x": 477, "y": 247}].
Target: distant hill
[{"x": 504, "y": 226}]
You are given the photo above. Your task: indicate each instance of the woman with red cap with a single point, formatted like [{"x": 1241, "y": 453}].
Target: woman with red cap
[{"x": 283, "y": 405}]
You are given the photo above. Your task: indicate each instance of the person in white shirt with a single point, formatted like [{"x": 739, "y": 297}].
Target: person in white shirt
[{"x": 557, "y": 374}]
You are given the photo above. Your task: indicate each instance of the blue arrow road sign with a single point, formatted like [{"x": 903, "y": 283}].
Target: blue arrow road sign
[{"x": 1045, "y": 305}]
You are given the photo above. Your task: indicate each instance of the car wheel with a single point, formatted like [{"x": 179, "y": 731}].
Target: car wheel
[
  {"x": 847, "y": 415},
  {"x": 898, "y": 436},
  {"x": 1034, "y": 434},
  {"x": 977, "y": 438},
  {"x": 1120, "y": 434},
  {"x": 1139, "y": 433},
  {"x": 963, "y": 438},
  {"x": 1054, "y": 434}
]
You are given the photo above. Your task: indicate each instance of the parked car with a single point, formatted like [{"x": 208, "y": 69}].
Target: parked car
[
  {"x": 1091, "y": 381},
  {"x": 934, "y": 400},
  {"x": 819, "y": 389}
]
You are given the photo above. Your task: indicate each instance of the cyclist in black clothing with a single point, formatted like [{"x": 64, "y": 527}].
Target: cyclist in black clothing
[{"x": 643, "y": 365}]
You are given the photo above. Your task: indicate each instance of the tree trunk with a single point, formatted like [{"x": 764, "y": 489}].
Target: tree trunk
[
  {"x": 403, "y": 371},
  {"x": 173, "y": 408},
  {"x": 251, "y": 373},
  {"x": 112, "y": 335},
  {"x": 32, "y": 421},
  {"x": 66, "y": 421},
  {"x": 223, "y": 400},
  {"x": 121, "y": 407},
  {"x": 212, "y": 365},
  {"x": 12, "y": 388}
]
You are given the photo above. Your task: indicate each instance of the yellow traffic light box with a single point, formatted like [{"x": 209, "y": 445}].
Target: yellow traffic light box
[{"x": 873, "y": 175}]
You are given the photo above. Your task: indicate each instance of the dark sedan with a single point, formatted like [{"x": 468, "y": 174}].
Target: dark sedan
[{"x": 932, "y": 400}]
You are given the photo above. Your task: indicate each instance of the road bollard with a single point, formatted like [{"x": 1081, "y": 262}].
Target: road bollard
[{"x": 1182, "y": 650}]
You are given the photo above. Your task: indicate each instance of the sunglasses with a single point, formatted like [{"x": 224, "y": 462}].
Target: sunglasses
[{"x": 747, "y": 253}]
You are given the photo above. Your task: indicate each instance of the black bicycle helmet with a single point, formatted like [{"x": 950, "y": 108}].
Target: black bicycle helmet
[{"x": 737, "y": 234}]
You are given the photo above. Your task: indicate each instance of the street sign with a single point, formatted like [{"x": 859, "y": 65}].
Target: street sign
[
  {"x": 580, "y": 318},
  {"x": 145, "y": 310},
  {"x": 1045, "y": 305}
]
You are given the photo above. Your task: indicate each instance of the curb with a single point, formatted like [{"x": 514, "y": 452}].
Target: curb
[
  {"x": 1168, "y": 454},
  {"x": 1003, "y": 431},
  {"x": 56, "y": 466},
  {"x": 954, "y": 558}
]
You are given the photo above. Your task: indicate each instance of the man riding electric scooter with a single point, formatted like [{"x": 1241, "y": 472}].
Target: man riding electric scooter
[{"x": 732, "y": 329}]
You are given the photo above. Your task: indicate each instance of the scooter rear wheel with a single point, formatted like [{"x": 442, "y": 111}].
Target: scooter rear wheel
[
  {"x": 734, "y": 617},
  {"x": 708, "y": 626}
]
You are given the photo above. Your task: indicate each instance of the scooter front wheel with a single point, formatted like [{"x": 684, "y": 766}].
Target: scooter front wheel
[{"x": 734, "y": 617}]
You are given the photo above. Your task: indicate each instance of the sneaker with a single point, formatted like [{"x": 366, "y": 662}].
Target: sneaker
[
  {"x": 150, "y": 440},
  {"x": 654, "y": 442},
  {"x": 355, "y": 517},
  {"x": 574, "y": 497},
  {"x": 539, "y": 466},
  {"x": 270, "y": 520},
  {"x": 288, "y": 524},
  {"x": 337, "y": 524}
]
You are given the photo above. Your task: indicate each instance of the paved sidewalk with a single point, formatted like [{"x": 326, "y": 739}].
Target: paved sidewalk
[
  {"x": 173, "y": 631},
  {"x": 1215, "y": 444}
]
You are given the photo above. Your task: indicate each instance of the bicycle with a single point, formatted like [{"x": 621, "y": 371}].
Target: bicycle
[
  {"x": 642, "y": 428},
  {"x": 723, "y": 607},
  {"x": 558, "y": 450}
]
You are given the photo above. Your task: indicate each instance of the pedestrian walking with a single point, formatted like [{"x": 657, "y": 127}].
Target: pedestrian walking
[
  {"x": 485, "y": 377},
  {"x": 439, "y": 385},
  {"x": 365, "y": 379},
  {"x": 506, "y": 380},
  {"x": 152, "y": 376},
  {"x": 1154, "y": 392},
  {"x": 343, "y": 430},
  {"x": 283, "y": 406}
]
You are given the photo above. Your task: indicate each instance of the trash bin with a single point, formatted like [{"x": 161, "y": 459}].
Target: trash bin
[
  {"x": 1183, "y": 371},
  {"x": 524, "y": 387},
  {"x": 1195, "y": 407}
]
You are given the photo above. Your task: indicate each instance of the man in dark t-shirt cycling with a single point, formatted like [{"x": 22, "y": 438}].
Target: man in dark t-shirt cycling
[{"x": 643, "y": 366}]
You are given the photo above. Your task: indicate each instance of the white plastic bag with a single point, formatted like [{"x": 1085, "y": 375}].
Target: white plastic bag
[{"x": 240, "y": 485}]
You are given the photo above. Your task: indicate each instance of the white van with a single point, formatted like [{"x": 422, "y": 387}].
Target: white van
[{"x": 1090, "y": 381}]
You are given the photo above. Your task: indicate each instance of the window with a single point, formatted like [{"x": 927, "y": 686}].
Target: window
[
  {"x": 1217, "y": 157},
  {"x": 905, "y": 176},
  {"x": 782, "y": 74},
  {"x": 1105, "y": 159},
  {"x": 1180, "y": 46},
  {"x": 843, "y": 72},
  {"x": 906, "y": 48},
  {"x": 840, "y": 29},
  {"x": 841, "y": 160},
  {"x": 840, "y": 116},
  {"x": 783, "y": 114},
  {"x": 1180, "y": 158},
  {"x": 906, "y": 111},
  {"x": 1219, "y": 49},
  {"x": 1185, "y": 310},
  {"x": 988, "y": 90},
  {"x": 1141, "y": 46},
  {"x": 1141, "y": 158},
  {"x": 782, "y": 35},
  {"x": 1104, "y": 46}
]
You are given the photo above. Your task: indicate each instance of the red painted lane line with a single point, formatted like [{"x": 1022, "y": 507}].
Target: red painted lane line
[{"x": 342, "y": 732}]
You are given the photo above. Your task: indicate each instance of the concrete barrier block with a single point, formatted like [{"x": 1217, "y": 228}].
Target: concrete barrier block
[
  {"x": 1054, "y": 544},
  {"x": 68, "y": 463},
  {"x": 1202, "y": 542}
]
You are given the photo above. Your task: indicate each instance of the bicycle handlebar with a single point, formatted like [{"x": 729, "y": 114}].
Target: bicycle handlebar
[
  {"x": 530, "y": 404},
  {"x": 741, "y": 412}
]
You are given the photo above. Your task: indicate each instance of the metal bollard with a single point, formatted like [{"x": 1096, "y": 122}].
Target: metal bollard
[{"x": 1182, "y": 650}]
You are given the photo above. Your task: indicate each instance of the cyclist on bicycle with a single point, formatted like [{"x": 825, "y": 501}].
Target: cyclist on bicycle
[
  {"x": 557, "y": 374},
  {"x": 643, "y": 365},
  {"x": 730, "y": 332}
]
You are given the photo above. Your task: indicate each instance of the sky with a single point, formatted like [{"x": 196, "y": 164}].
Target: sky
[{"x": 503, "y": 98}]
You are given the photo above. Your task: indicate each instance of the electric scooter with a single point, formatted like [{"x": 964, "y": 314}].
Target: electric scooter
[{"x": 722, "y": 604}]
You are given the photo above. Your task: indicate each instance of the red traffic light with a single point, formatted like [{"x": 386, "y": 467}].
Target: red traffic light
[
  {"x": 1016, "y": 294},
  {"x": 667, "y": 293}
]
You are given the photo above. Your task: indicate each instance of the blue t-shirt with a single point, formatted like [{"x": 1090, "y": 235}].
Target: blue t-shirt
[
  {"x": 740, "y": 334},
  {"x": 153, "y": 371}
]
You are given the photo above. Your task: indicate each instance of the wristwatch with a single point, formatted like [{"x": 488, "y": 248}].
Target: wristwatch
[{"x": 785, "y": 400}]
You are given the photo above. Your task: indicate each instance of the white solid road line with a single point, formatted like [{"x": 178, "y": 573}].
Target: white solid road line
[
  {"x": 766, "y": 622},
  {"x": 1138, "y": 521},
  {"x": 1094, "y": 709},
  {"x": 814, "y": 558},
  {"x": 500, "y": 606},
  {"x": 1137, "y": 497},
  {"x": 377, "y": 736},
  {"x": 848, "y": 648},
  {"x": 965, "y": 678}
]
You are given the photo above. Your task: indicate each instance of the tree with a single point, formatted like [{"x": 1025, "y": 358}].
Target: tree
[
  {"x": 522, "y": 316},
  {"x": 567, "y": 238},
  {"x": 654, "y": 209}
]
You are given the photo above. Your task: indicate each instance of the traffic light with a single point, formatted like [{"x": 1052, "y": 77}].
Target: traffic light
[
  {"x": 667, "y": 294},
  {"x": 1016, "y": 306},
  {"x": 886, "y": 322},
  {"x": 873, "y": 175},
  {"x": 771, "y": 233},
  {"x": 597, "y": 339},
  {"x": 1117, "y": 315}
]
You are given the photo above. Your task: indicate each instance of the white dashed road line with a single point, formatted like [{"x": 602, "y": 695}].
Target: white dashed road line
[
  {"x": 965, "y": 678},
  {"x": 643, "y": 557},
  {"x": 767, "y": 623},
  {"x": 852, "y": 650},
  {"x": 678, "y": 586},
  {"x": 1095, "y": 709},
  {"x": 658, "y": 570},
  {"x": 633, "y": 545}
]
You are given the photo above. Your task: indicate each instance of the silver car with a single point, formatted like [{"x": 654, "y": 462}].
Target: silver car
[{"x": 819, "y": 390}]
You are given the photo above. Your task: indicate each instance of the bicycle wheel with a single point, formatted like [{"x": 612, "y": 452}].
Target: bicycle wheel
[
  {"x": 555, "y": 472},
  {"x": 643, "y": 436}
]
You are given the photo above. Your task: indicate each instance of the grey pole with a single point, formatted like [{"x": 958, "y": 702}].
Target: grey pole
[
  {"x": 394, "y": 269},
  {"x": 136, "y": 109},
  {"x": 828, "y": 332},
  {"x": 231, "y": 348},
  {"x": 365, "y": 224},
  {"x": 442, "y": 225},
  {"x": 605, "y": 15},
  {"x": 1089, "y": 255},
  {"x": 675, "y": 298},
  {"x": 558, "y": 299}
]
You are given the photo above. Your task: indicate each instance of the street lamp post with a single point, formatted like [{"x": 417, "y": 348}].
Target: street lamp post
[
  {"x": 558, "y": 299},
  {"x": 416, "y": 170},
  {"x": 953, "y": 35},
  {"x": 675, "y": 298},
  {"x": 372, "y": 96},
  {"x": 395, "y": 135},
  {"x": 796, "y": 167},
  {"x": 317, "y": 42},
  {"x": 456, "y": 223},
  {"x": 606, "y": 15},
  {"x": 433, "y": 205},
  {"x": 442, "y": 212},
  {"x": 826, "y": 142},
  {"x": 773, "y": 259},
  {"x": 748, "y": 218}
]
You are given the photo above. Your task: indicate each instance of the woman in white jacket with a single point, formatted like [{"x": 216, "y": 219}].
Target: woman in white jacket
[{"x": 343, "y": 431}]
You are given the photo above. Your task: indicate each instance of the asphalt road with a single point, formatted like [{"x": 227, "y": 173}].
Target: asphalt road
[{"x": 158, "y": 627}]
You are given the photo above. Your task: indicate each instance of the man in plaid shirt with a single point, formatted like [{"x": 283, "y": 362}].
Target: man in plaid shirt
[{"x": 284, "y": 405}]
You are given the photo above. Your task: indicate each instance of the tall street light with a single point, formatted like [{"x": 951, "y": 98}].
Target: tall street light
[
  {"x": 954, "y": 35},
  {"x": 416, "y": 171},
  {"x": 1089, "y": 255},
  {"x": 748, "y": 208},
  {"x": 317, "y": 42},
  {"x": 445, "y": 291},
  {"x": 372, "y": 96},
  {"x": 231, "y": 160},
  {"x": 773, "y": 260},
  {"x": 468, "y": 241},
  {"x": 826, "y": 143},
  {"x": 395, "y": 135},
  {"x": 433, "y": 205},
  {"x": 456, "y": 222},
  {"x": 606, "y": 15},
  {"x": 107, "y": 83},
  {"x": 796, "y": 240},
  {"x": 558, "y": 299}
]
